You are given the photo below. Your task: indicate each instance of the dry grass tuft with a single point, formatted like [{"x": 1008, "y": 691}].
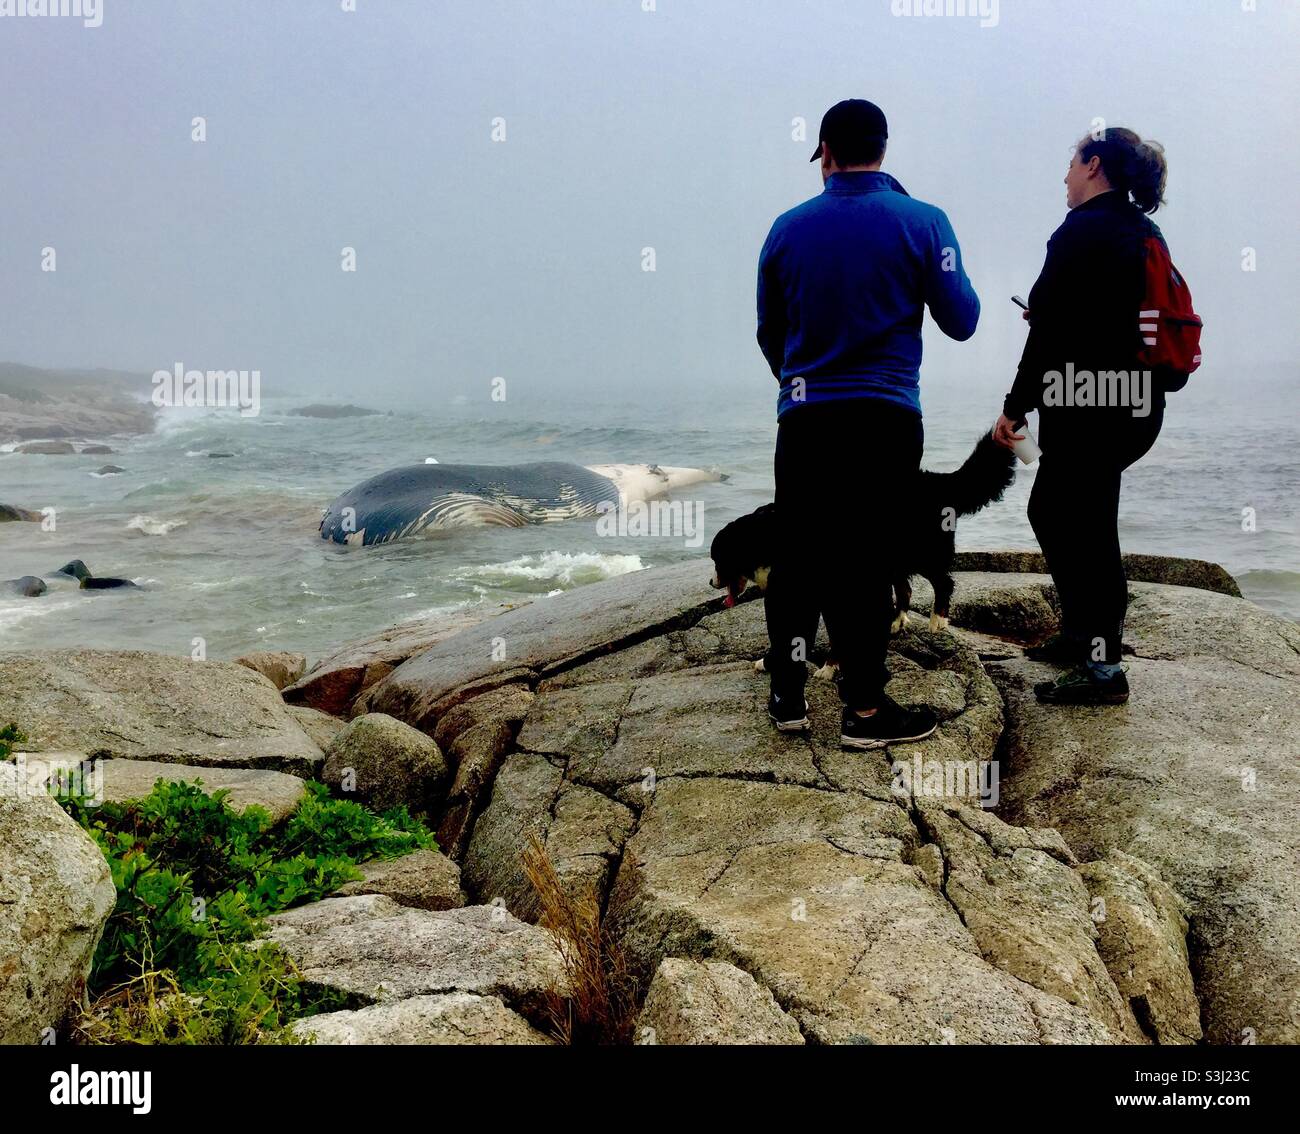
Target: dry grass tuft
[{"x": 600, "y": 1007}]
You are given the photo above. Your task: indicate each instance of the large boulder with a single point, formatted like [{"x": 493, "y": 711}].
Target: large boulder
[
  {"x": 136, "y": 705},
  {"x": 550, "y": 634},
  {"x": 385, "y": 763},
  {"x": 123, "y": 781},
  {"x": 424, "y": 879},
  {"x": 47, "y": 448},
  {"x": 476, "y": 735},
  {"x": 127, "y": 704},
  {"x": 334, "y": 683},
  {"x": 56, "y": 892},
  {"x": 1172, "y": 571},
  {"x": 276, "y": 793},
  {"x": 782, "y": 856},
  {"x": 645, "y": 750},
  {"x": 13, "y": 513},
  {"x": 711, "y": 1002},
  {"x": 372, "y": 949},
  {"x": 447, "y": 1019},
  {"x": 1199, "y": 776},
  {"x": 29, "y": 586},
  {"x": 876, "y": 897},
  {"x": 279, "y": 667}
]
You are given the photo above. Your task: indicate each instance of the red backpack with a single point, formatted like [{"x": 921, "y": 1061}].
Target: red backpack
[{"x": 1169, "y": 327}]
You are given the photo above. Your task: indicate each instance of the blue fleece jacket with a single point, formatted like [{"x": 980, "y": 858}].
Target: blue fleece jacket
[{"x": 843, "y": 280}]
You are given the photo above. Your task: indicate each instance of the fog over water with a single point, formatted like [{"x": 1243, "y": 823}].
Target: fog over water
[
  {"x": 499, "y": 170},
  {"x": 625, "y": 129}
]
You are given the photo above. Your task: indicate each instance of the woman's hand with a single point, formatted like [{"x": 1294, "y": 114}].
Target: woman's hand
[{"x": 1004, "y": 433}]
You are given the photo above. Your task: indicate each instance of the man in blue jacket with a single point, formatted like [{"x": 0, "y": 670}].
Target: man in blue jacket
[{"x": 843, "y": 282}]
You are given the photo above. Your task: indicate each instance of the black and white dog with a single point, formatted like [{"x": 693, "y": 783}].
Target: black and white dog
[{"x": 743, "y": 551}]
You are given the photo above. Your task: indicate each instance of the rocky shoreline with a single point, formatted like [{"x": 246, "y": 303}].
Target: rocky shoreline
[
  {"x": 43, "y": 408},
  {"x": 1121, "y": 875}
]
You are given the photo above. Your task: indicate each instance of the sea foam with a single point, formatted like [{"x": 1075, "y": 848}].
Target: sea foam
[{"x": 151, "y": 525}]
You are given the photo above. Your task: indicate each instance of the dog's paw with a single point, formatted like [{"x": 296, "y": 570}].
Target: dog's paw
[
  {"x": 938, "y": 622},
  {"x": 760, "y": 666},
  {"x": 899, "y": 622},
  {"x": 827, "y": 672}
]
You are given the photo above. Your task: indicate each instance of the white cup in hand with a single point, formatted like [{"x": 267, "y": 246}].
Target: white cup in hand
[{"x": 1026, "y": 448}]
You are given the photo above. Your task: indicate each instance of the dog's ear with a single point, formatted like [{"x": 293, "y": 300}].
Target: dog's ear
[
  {"x": 723, "y": 540},
  {"x": 739, "y": 544}
]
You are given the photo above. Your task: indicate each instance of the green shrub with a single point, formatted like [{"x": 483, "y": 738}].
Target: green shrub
[
  {"x": 9, "y": 736},
  {"x": 195, "y": 880},
  {"x": 325, "y": 826}
]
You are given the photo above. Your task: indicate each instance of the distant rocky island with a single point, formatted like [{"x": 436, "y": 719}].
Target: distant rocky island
[
  {"x": 50, "y": 408},
  {"x": 66, "y": 404},
  {"x": 327, "y": 411},
  {"x": 1129, "y": 879}
]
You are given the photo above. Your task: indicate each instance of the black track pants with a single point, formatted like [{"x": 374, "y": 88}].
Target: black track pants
[
  {"x": 1074, "y": 511},
  {"x": 841, "y": 484}
]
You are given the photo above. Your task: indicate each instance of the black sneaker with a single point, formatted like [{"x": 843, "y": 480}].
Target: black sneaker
[
  {"x": 786, "y": 716},
  {"x": 889, "y": 724},
  {"x": 1080, "y": 686}
]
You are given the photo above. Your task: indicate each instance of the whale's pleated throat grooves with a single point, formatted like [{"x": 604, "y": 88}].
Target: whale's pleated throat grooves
[{"x": 415, "y": 498}]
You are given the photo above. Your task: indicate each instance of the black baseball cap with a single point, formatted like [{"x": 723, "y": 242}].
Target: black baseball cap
[{"x": 850, "y": 121}]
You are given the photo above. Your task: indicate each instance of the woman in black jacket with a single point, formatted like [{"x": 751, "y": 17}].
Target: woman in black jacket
[{"x": 1099, "y": 411}]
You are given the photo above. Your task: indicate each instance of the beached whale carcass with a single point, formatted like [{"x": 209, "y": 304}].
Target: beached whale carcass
[{"x": 416, "y": 498}]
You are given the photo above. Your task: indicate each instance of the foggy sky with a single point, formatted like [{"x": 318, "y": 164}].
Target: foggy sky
[{"x": 624, "y": 129}]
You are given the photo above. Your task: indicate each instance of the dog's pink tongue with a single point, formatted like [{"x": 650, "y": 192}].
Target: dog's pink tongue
[{"x": 729, "y": 601}]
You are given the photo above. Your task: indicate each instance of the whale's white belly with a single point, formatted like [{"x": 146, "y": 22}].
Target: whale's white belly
[{"x": 646, "y": 482}]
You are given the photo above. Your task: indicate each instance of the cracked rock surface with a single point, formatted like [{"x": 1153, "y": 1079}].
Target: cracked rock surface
[
  {"x": 375, "y": 950},
  {"x": 1198, "y": 776},
  {"x": 1142, "y": 937},
  {"x": 583, "y": 833},
  {"x": 452, "y": 1018},
  {"x": 868, "y": 909},
  {"x": 711, "y": 1002},
  {"x": 1027, "y": 909},
  {"x": 1025, "y": 875}
]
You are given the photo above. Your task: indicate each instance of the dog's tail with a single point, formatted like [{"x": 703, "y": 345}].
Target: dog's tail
[{"x": 985, "y": 476}]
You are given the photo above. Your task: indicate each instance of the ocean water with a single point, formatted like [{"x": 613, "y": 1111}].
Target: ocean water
[{"x": 226, "y": 550}]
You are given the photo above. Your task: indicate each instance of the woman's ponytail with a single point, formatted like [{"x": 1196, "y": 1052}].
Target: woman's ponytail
[{"x": 1131, "y": 165}]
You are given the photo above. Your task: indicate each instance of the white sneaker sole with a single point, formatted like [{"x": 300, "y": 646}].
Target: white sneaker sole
[
  {"x": 802, "y": 725},
  {"x": 864, "y": 743}
]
